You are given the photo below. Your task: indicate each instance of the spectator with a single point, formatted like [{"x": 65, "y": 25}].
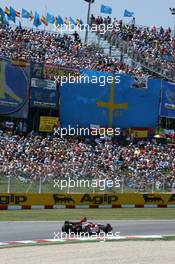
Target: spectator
[{"x": 32, "y": 157}]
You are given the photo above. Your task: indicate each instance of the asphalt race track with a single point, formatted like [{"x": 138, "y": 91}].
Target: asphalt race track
[{"x": 11, "y": 231}]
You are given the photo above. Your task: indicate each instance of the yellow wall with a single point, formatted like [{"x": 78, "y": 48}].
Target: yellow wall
[{"x": 86, "y": 199}]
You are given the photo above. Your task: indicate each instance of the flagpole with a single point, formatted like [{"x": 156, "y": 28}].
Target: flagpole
[
  {"x": 20, "y": 20},
  {"x": 88, "y": 18},
  {"x": 45, "y": 16},
  {"x": 173, "y": 14}
]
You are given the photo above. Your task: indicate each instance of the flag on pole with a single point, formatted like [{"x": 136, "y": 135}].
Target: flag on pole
[
  {"x": 72, "y": 21},
  {"x": 78, "y": 22},
  {"x": 11, "y": 19},
  {"x": 18, "y": 14},
  {"x": 37, "y": 21},
  {"x": 60, "y": 20},
  {"x": 81, "y": 22},
  {"x": 7, "y": 11},
  {"x": 44, "y": 21},
  {"x": 25, "y": 13},
  {"x": 128, "y": 13},
  {"x": 106, "y": 9},
  {"x": 56, "y": 21},
  {"x": 12, "y": 14},
  {"x": 50, "y": 18},
  {"x": 66, "y": 21},
  {"x": 31, "y": 16},
  {"x": 2, "y": 16}
]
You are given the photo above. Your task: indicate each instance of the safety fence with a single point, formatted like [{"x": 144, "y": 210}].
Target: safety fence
[
  {"x": 154, "y": 65},
  {"x": 156, "y": 181}
]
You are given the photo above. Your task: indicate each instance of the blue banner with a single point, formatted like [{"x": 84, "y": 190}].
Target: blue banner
[
  {"x": 168, "y": 100},
  {"x": 14, "y": 92},
  {"x": 109, "y": 104}
]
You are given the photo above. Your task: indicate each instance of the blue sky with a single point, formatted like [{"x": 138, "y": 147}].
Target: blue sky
[{"x": 147, "y": 12}]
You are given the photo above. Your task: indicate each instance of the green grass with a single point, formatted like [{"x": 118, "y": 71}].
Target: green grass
[{"x": 94, "y": 214}]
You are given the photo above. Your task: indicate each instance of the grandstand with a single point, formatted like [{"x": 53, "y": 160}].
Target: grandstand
[
  {"x": 87, "y": 129},
  {"x": 29, "y": 159}
]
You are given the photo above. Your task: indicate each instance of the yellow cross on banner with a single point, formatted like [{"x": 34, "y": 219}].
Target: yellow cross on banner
[{"x": 111, "y": 105}]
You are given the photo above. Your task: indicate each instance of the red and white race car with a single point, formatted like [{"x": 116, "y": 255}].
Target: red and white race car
[{"x": 83, "y": 226}]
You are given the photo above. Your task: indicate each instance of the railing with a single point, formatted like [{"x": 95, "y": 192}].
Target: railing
[
  {"x": 126, "y": 183},
  {"x": 148, "y": 63}
]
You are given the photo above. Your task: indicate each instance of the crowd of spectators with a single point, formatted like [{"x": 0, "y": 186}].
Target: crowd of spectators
[
  {"x": 54, "y": 48},
  {"x": 140, "y": 166},
  {"x": 153, "y": 46},
  {"x": 49, "y": 158}
]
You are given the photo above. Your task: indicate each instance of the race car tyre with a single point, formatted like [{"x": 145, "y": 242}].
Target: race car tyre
[
  {"x": 63, "y": 229},
  {"x": 107, "y": 228},
  {"x": 87, "y": 230},
  {"x": 67, "y": 228}
]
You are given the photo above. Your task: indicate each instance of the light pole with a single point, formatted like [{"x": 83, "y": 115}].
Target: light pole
[
  {"x": 173, "y": 13},
  {"x": 88, "y": 17}
]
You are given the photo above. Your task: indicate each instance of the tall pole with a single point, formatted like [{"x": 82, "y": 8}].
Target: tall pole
[
  {"x": 174, "y": 25},
  {"x": 9, "y": 183},
  {"x": 173, "y": 14},
  {"x": 88, "y": 18},
  {"x": 40, "y": 185}
]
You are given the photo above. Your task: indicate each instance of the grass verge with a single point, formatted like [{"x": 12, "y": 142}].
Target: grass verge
[{"x": 94, "y": 214}]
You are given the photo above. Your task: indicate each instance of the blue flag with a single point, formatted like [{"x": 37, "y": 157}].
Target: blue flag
[
  {"x": 12, "y": 12},
  {"x": 25, "y": 13},
  {"x": 128, "y": 13},
  {"x": 12, "y": 15},
  {"x": 50, "y": 18},
  {"x": 3, "y": 18},
  {"x": 106, "y": 9},
  {"x": 37, "y": 21},
  {"x": 168, "y": 100},
  {"x": 2, "y": 15},
  {"x": 72, "y": 21},
  {"x": 2, "y": 12},
  {"x": 108, "y": 104},
  {"x": 60, "y": 20}
]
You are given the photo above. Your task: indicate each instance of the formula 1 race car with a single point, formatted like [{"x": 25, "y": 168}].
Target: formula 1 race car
[{"x": 85, "y": 227}]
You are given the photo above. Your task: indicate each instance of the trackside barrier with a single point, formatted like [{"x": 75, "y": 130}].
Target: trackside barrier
[{"x": 15, "y": 201}]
